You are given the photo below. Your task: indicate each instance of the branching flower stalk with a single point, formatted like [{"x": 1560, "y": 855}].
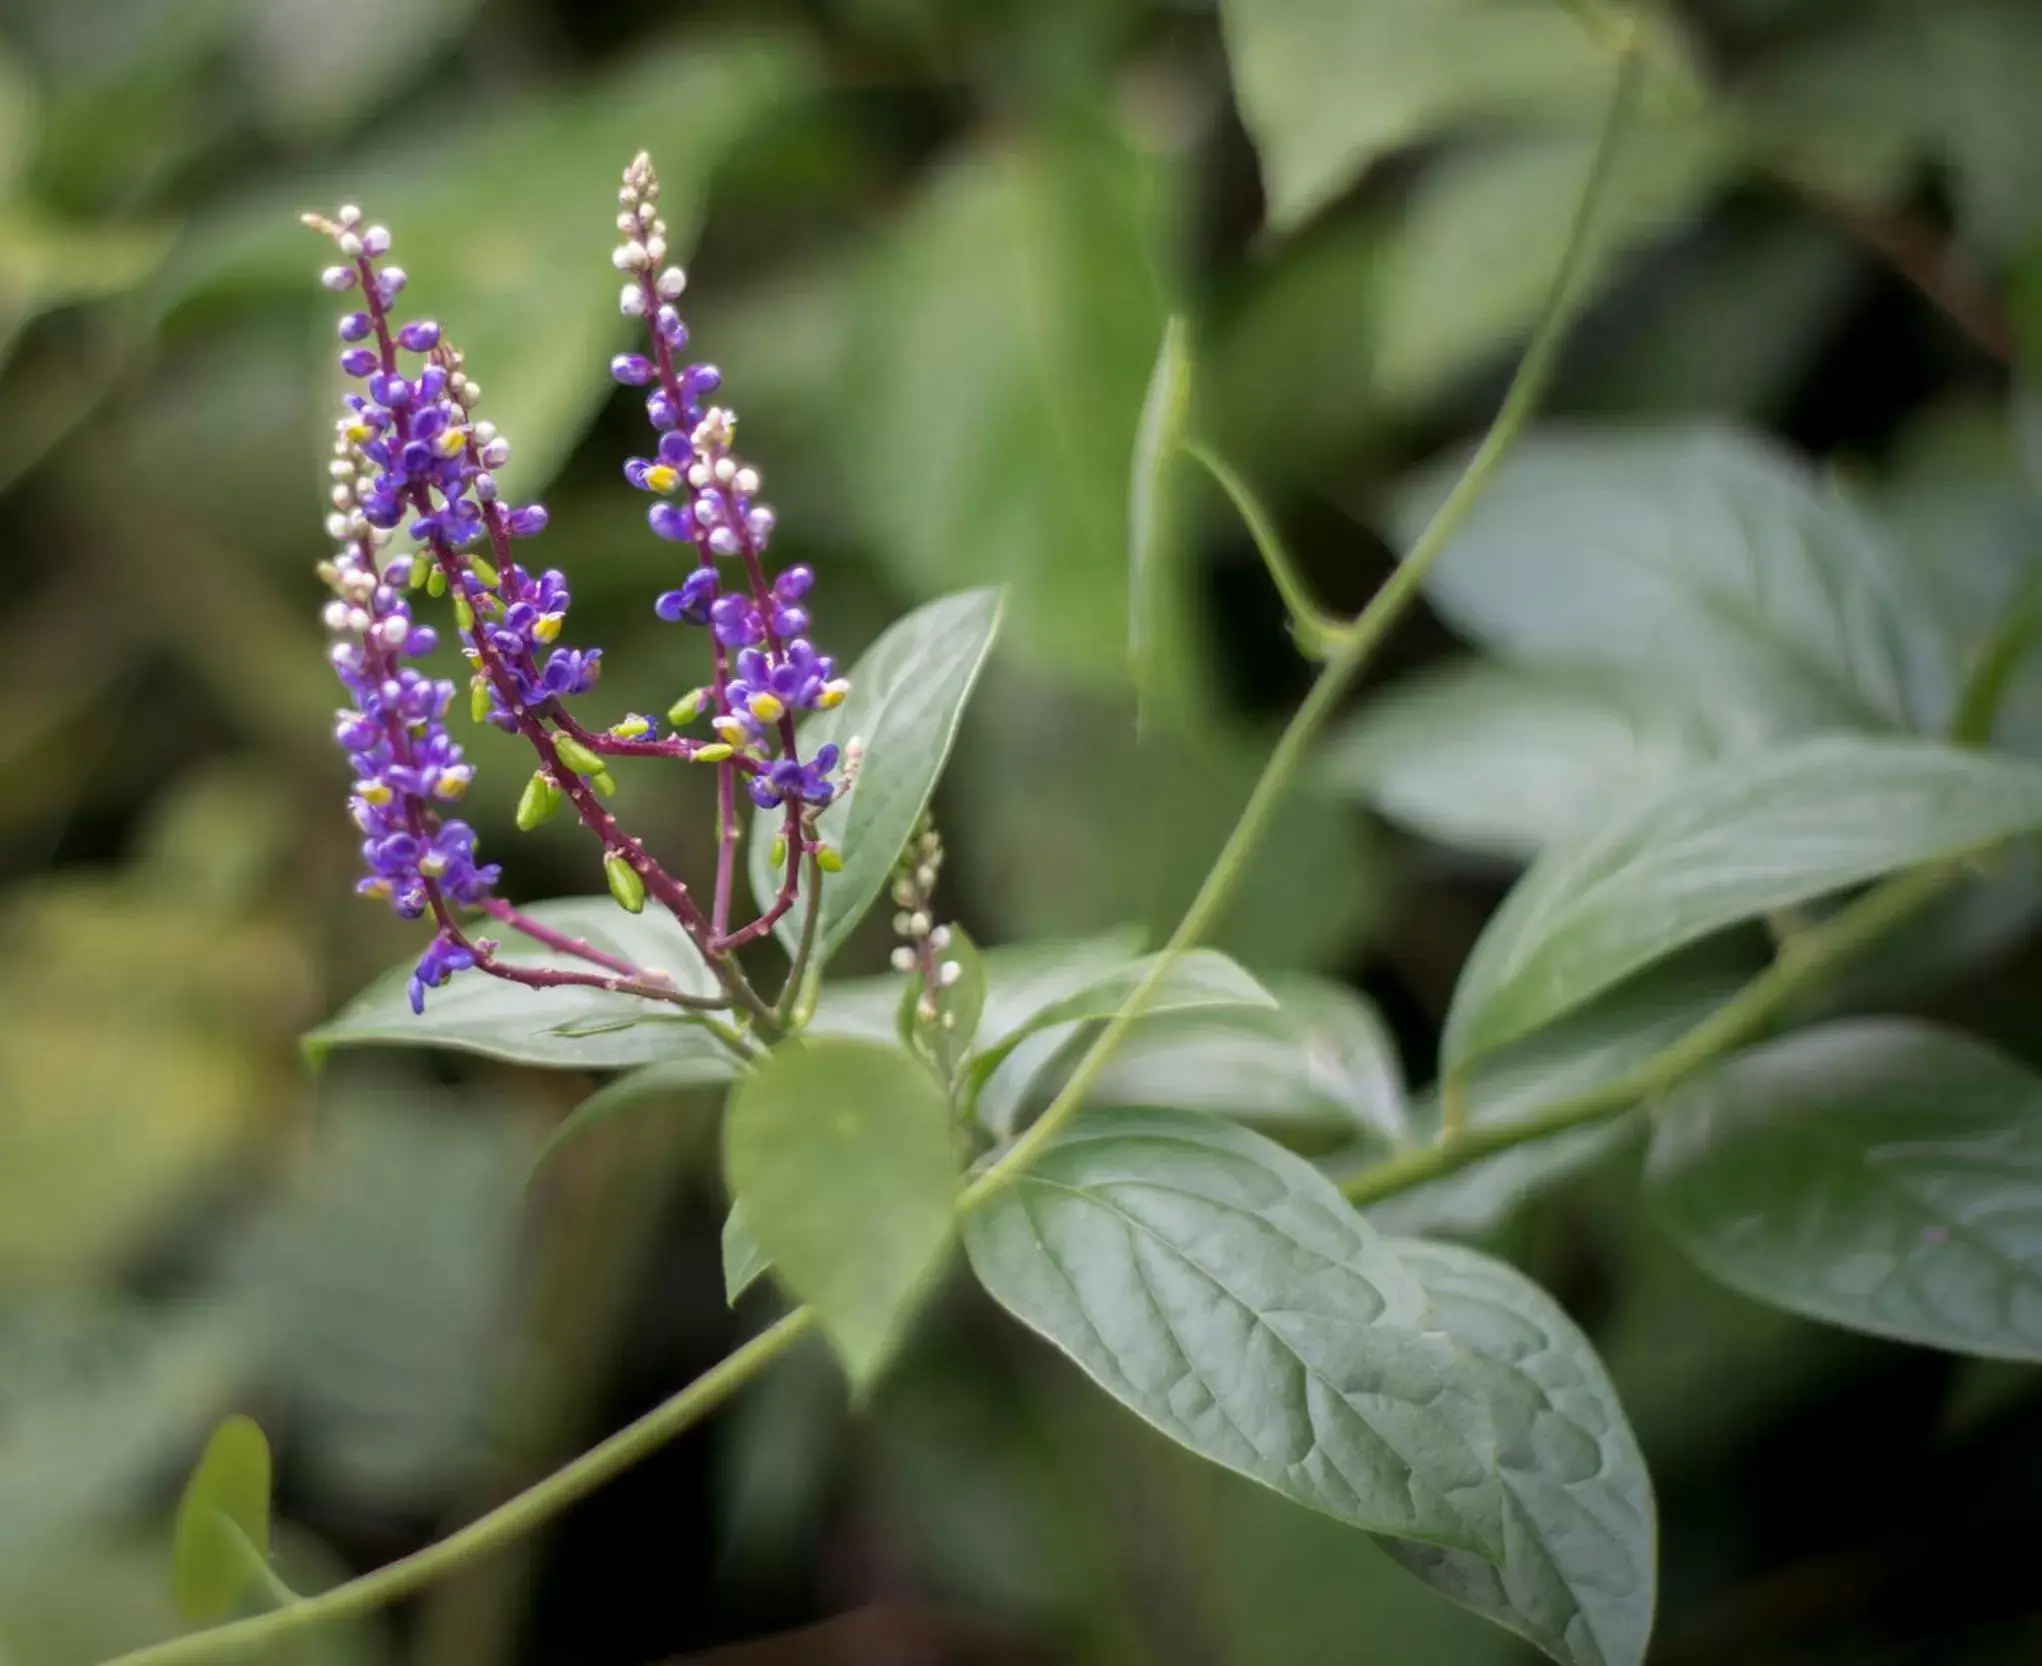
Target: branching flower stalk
[
  {"x": 768, "y": 770},
  {"x": 411, "y": 453}
]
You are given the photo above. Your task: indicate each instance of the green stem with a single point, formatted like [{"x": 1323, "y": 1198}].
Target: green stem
[
  {"x": 1317, "y": 631},
  {"x": 797, "y": 970},
  {"x": 1985, "y": 689},
  {"x": 521, "y": 1514},
  {"x": 1357, "y": 645},
  {"x": 1803, "y": 961}
]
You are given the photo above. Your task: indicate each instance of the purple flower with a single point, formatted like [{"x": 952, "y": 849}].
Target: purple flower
[{"x": 442, "y": 959}]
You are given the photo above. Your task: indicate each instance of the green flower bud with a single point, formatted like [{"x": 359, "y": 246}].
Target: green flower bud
[
  {"x": 576, "y": 756},
  {"x": 539, "y": 800},
  {"x": 779, "y": 851},
  {"x": 436, "y": 582},
  {"x": 484, "y": 571},
  {"x": 685, "y": 710},
  {"x": 827, "y": 859},
  {"x": 714, "y": 753},
  {"x": 625, "y": 885},
  {"x": 464, "y": 615},
  {"x": 478, "y": 699},
  {"x": 604, "y": 782}
]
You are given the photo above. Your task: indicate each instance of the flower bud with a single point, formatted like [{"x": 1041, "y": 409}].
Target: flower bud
[
  {"x": 828, "y": 859},
  {"x": 625, "y": 884},
  {"x": 576, "y": 756},
  {"x": 540, "y": 799}
]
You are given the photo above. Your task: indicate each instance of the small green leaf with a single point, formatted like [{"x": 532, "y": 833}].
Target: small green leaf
[
  {"x": 1504, "y": 760},
  {"x": 652, "y": 1084},
  {"x": 1578, "y": 1576},
  {"x": 1880, "y": 1174},
  {"x": 843, "y": 1158},
  {"x": 222, "y": 1518},
  {"x": 908, "y": 692},
  {"x": 1150, "y": 528},
  {"x": 743, "y": 1260},
  {"x": 1200, "y": 980},
  {"x": 1221, "y": 1289},
  {"x": 1327, "y": 87},
  {"x": 1753, "y": 834},
  {"x": 944, "y": 1036},
  {"x": 1708, "y": 560},
  {"x": 572, "y": 1028}
]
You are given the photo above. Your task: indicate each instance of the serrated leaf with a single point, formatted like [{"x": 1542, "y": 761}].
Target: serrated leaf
[
  {"x": 651, "y": 1084},
  {"x": 1322, "y": 1061},
  {"x": 222, "y": 1517},
  {"x": 1504, "y": 760},
  {"x": 1150, "y": 530},
  {"x": 1220, "y": 1288},
  {"x": 843, "y": 1157},
  {"x": 1701, "y": 557},
  {"x": 1755, "y": 833},
  {"x": 743, "y": 1260},
  {"x": 908, "y": 692},
  {"x": 1202, "y": 979},
  {"x": 572, "y": 1028},
  {"x": 1578, "y": 1575},
  {"x": 1881, "y": 1174},
  {"x": 1327, "y": 87}
]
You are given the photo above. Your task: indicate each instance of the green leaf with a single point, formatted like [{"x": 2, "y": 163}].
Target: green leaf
[
  {"x": 1605, "y": 1039},
  {"x": 1703, "y": 558},
  {"x": 312, "y": 68},
  {"x": 743, "y": 1260},
  {"x": 1021, "y": 433},
  {"x": 572, "y": 1028},
  {"x": 1506, "y": 760},
  {"x": 1199, "y": 980},
  {"x": 1323, "y": 1060},
  {"x": 1485, "y": 228},
  {"x": 1880, "y": 1174},
  {"x": 1580, "y": 1528},
  {"x": 1327, "y": 87},
  {"x": 1150, "y": 523},
  {"x": 651, "y": 1084},
  {"x": 1755, "y": 833},
  {"x": 842, "y": 1155},
  {"x": 943, "y": 1037},
  {"x": 908, "y": 692},
  {"x": 1221, "y": 1289},
  {"x": 222, "y": 1518}
]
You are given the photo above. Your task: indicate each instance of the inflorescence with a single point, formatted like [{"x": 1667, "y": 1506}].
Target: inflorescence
[{"x": 412, "y": 459}]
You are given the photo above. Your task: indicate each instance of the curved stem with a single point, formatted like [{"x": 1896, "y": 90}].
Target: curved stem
[
  {"x": 1315, "y": 629},
  {"x": 1803, "y": 962},
  {"x": 517, "y": 1515},
  {"x": 1353, "y": 652}
]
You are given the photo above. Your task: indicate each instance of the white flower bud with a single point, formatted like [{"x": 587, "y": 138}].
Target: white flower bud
[
  {"x": 671, "y": 283},
  {"x": 336, "y": 526},
  {"x": 341, "y": 469},
  {"x": 376, "y": 240},
  {"x": 335, "y": 615},
  {"x": 349, "y": 215},
  {"x": 349, "y": 244},
  {"x": 655, "y": 249},
  {"x": 903, "y": 959},
  {"x": 939, "y": 939},
  {"x": 338, "y": 278},
  {"x": 918, "y": 924},
  {"x": 726, "y": 471},
  {"x": 342, "y": 495},
  {"x": 496, "y": 453},
  {"x": 949, "y": 972},
  {"x": 746, "y": 480},
  {"x": 631, "y": 302}
]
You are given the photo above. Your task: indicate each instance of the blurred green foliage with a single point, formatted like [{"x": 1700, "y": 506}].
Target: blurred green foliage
[{"x": 936, "y": 241}]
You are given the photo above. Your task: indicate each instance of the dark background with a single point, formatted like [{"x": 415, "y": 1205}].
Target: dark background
[{"x": 934, "y": 245}]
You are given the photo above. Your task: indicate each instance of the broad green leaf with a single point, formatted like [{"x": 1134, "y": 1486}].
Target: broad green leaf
[
  {"x": 1221, "y": 1289},
  {"x": 222, "y": 1519},
  {"x": 1486, "y": 226},
  {"x": 942, "y": 1035},
  {"x": 743, "y": 1260},
  {"x": 313, "y": 68},
  {"x": 526, "y": 292},
  {"x": 1150, "y": 521},
  {"x": 908, "y": 692},
  {"x": 1327, "y": 87},
  {"x": 1505, "y": 760},
  {"x": 842, "y": 1156},
  {"x": 1021, "y": 434},
  {"x": 1880, "y": 1174},
  {"x": 1201, "y": 979},
  {"x": 651, "y": 1084},
  {"x": 1323, "y": 1062},
  {"x": 1578, "y": 1576},
  {"x": 1755, "y": 833},
  {"x": 1701, "y": 557},
  {"x": 1577, "y": 1054},
  {"x": 572, "y": 1028}
]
